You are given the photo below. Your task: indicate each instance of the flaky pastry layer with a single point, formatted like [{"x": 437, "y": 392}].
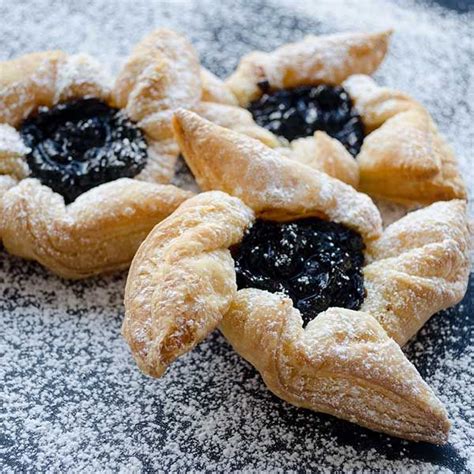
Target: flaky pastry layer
[
  {"x": 404, "y": 158},
  {"x": 273, "y": 186},
  {"x": 182, "y": 279},
  {"x": 99, "y": 232},
  {"x": 343, "y": 363},
  {"x": 182, "y": 285},
  {"x": 314, "y": 60}
]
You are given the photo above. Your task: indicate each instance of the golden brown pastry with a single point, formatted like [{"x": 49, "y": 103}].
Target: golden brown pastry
[
  {"x": 419, "y": 266},
  {"x": 296, "y": 89},
  {"x": 99, "y": 232},
  {"x": 182, "y": 284},
  {"x": 163, "y": 74},
  {"x": 324, "y": 153},
  {"x": 424, "y": 255},
  {"x": 404, "y": 158},
  {"x": 343, "y": 363},
  {"x": 46, "y": 78},
  {"x": 273, "y": 186},
  {"x": 101, "y": 229},
  {"x": 236, "y": 118},
  {"x": 182, "y": 279},
  {"x": 314, "y": 60}
]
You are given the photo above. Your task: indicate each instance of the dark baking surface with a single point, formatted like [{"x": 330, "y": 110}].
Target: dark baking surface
[{"x": 73, "y": 400}]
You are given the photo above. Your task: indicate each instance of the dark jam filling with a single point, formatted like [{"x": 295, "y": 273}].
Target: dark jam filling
[
  {"x": 318, "y": 264},
  {"x": 299, "y": 112},
  {"x": 78, "y": 145}
]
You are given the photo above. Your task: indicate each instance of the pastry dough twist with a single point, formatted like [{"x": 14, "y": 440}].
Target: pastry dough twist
[
  {"x": 163, "y": 74},
  {"x": 420, "y": 266},
  {"x": 102, "y": 229},
  {"x": 182, "y": 279},
  {"x": 182, "y": 284},
  {"x": 342, "y": 363},
  {"x": 425, "y": 254},
  {"x": 272, "y": 185},
  {"x": 99, "y": 232},
  {"x": 404, "y": 158},
  {"x": 314, "y": 60}
]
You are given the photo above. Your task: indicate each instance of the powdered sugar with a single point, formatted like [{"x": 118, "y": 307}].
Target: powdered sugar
[{"x": 73, "y": 398}]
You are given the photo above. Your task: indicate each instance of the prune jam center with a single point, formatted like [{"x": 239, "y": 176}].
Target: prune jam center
[
  {"x": 78, "y": 145},
  {"x": 299, "y": 112},
  {"x": 318, "y": 264}
]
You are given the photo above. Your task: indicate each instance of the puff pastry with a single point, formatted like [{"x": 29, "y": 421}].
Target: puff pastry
[
  {"x": 102, "y": 229},
  {"x": 182, "y": 285},
  {"x": 403, "y": 159},
  {"x": 99, "y": 232},
  {"x": 163, "y": 74},
  {"x": 314, "y": 60},
  {"x": 326, "y": 154}
]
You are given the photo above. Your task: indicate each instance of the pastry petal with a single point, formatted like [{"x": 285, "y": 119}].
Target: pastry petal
[
  {"x": 405, "y": 159},
  {"x": 314, "y": 60},
  {"x": 99, "y": 232},
  {"x": 238, "y": 119},
  {"x": 421, "y": 267},
  {"x": 343, "y": 364},
  {"x": 326, "y": 154},
  {"x": 215, "y": 90},
  {"x": 42, "y": 79},
  {"x": 272, "y": 185},
  {"x": 182, "y": 279},
  {"x": 161, "y": 74},
  {"x": 376, "y": 104}
]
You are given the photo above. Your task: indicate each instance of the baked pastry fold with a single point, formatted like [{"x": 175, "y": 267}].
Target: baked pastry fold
[
  {"x": 403, "y": 159},
  {"x": 273, "y": 186},
  {"x": 182, "y": 279},
  {"x": 343, "y": 363},
  {"x": 102, "y": 229},
  {"x": 316, "y": 59},
  {"x": 420, "y": 265},
  {"x": 99, "y": 232},
  {"x": 182, "y": 284}
]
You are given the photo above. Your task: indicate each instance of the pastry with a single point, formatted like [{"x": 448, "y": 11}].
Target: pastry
[
  {"x": 73, "y": 162},
  {"x": 309, "y": 91},
  {"x": 162, "y": 74},
  {"x": 73, "y": 141},
  {"x": 294, "y": 268}
]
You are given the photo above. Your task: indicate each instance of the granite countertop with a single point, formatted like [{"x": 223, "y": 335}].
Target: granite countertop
[{"x": 73, "y": 399}]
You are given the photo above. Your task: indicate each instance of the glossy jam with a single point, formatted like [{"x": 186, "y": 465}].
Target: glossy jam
[
  {"x": 299, "y": 112},
  {"x": 318, "y": 264},
  {"x": 78, "y": 145}
]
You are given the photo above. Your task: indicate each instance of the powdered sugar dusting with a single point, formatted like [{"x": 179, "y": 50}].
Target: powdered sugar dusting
[{"x": 73, "y": 398}]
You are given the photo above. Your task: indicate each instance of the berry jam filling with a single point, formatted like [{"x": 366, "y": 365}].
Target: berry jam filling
[
  {"x": 299, "y": 112},
  {"x": 78, "y": 145},
  {"x": 318, "y": 264}
]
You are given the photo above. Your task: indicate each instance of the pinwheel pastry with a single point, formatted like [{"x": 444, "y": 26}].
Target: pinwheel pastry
[
  {"x": 81, "y": 159},
  {"x": 317, "y": 95},
  {"x": 292, "y": 265}
]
